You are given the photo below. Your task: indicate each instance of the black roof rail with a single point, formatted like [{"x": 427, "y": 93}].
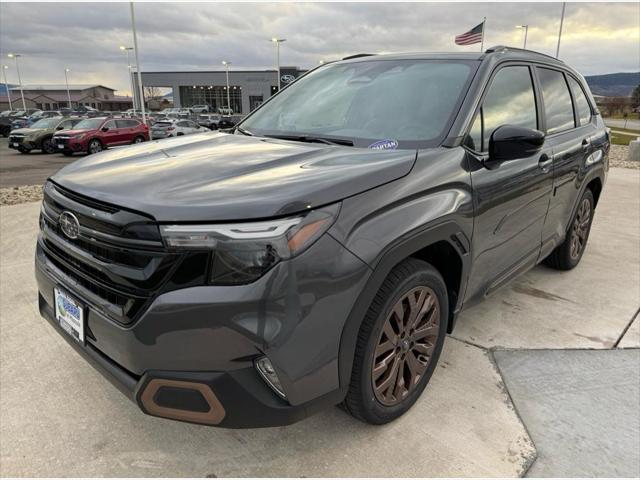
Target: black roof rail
[
  {"x": 359, "y": 55},
  {"x": 504, "y": 48}
]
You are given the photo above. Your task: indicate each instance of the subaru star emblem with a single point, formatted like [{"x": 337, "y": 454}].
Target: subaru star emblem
[
  {"x": 287, "y": 78},
  {"x": 69, "y": 224}
]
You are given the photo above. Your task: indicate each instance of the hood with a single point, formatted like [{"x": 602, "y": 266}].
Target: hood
[
  {"x": 76, "y": 132},
  {"x": 218, "y": 176},
  {"x": 28, "y": 131}
]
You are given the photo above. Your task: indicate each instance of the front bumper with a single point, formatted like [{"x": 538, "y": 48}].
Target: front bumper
[
  {"x": 18, "y": 143},
  {"x": 69, "y": 144},
  {"x": 210, "y": 336}
]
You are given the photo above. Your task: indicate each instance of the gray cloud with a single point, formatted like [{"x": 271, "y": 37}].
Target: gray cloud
[{"x": 598, "y": 37}]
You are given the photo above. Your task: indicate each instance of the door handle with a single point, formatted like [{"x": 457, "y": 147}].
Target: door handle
[{"x": 544, "y": 163}]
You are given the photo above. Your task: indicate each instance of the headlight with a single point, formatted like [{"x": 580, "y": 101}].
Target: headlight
[
  {"x": 79, "y": 136},
  {"x": 243, "y": 252}
]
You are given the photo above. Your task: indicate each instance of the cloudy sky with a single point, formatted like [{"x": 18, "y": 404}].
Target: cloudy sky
[{"x": 597, "y": 38}]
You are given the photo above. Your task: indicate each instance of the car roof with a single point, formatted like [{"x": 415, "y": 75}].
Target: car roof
[{"x": 499, "y": 50}]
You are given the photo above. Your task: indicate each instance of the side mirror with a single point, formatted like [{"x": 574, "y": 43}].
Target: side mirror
[
  {"x": 509, "y": 142},
  {"x": 105, "y": 129}
]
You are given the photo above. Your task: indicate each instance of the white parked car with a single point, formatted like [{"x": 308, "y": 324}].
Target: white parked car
[
  {"x": 175, "y": 128},
  {"x": 200, "y": 108}
]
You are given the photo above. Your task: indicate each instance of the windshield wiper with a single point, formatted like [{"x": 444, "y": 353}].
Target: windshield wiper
[
  {"x": 313, "y": 139},
  {"x": 244, "y": 132}
]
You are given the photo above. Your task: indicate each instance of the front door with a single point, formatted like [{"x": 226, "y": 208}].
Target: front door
[{"x": 511, "y": 198}]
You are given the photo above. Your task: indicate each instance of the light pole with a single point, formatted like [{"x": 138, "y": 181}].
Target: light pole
[
  {"x": 226, "y": 64},
  {"x": 526, "y": 32},
  {"x": 66, "y": 79},
  {"x": 6, "y": 85},
  {"x": 133, "y": 93},
  {"x": 278, "y": 41},
  {"x": 135, "y": 50},
  {"x": 15, "y": 56},
  {"x": 564, "y": 6}
]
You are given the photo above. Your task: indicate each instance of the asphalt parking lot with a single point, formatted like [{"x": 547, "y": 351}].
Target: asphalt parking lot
[
  {"x": 542, "y": 378},
  {"x": 28, "y": 169}
]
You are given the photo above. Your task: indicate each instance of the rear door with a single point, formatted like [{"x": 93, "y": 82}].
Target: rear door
[
  {"x": 569, "y": 124},
  {"x": 129, "y": 129},
  {"x": 510, "y": 198}
]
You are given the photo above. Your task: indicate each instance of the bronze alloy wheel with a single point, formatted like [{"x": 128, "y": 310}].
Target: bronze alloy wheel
[
  {"x": 580, "y": 228},
  {"x": 405, "y": 345}
]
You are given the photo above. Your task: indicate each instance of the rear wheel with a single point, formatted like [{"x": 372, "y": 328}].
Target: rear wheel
[
  {"x": 568, "y": 254},
  {"x": 138, "y": 139},
  {"x": 399, "y": 343},
  {"x": 95, "y": 146}
]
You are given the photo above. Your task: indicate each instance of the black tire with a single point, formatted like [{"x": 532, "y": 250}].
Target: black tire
[
  {"x": 138, "y": 139},
  {"x": 95, "y": 146},
  {"x": 362, "y": 400},
  {"x": 565, "y": 256},
  {"x": 48, "y": 146},
  {"x": 24, "y": 150},
  {"x": 5, "y": 130}
]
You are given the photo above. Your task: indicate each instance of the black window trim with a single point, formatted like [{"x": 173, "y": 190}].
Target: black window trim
[{"x": 485, "y": 90}]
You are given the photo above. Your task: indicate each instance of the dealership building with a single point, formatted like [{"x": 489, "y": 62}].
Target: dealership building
[{"x": 247, "y": 88}]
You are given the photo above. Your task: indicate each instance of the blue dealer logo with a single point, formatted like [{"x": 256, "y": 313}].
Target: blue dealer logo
[{"x": 384, "y": 145}]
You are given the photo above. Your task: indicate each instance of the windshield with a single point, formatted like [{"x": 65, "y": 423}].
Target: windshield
[
  {"x": 89, "y": 124},
  {"x": 46, "y": 123},
  {"x": 406, "y": 102}
]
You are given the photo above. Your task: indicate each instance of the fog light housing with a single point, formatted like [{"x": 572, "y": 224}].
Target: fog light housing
[{"x": 269, "y": 375}]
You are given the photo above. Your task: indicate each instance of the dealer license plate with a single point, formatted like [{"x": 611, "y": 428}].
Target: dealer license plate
[
  {"x": 70, "y": 315},
  {"x": 60, "y": 146},
  {"x": 15, "y": 144}
]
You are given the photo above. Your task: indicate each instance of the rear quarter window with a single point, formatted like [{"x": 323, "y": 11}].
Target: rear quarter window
[{"x": 582, "y": 104}]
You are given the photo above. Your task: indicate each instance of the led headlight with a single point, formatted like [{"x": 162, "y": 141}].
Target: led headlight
[{"x": 243, "y": 252}]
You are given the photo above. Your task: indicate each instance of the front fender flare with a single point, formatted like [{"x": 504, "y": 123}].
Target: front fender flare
[{"x": 448, "y": 231}]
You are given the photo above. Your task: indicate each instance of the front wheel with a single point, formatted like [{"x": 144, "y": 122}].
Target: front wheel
[
  {"x": 48, "y": 146},
  {"x": 138, "y": 139},
  {"x": 95, "y": 146},
  {"x": 399, "y": 343},
  {"x": 568, "y": 254}
]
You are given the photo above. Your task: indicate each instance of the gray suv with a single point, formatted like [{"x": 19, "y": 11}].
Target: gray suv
[{"x": 319, "y": 252}]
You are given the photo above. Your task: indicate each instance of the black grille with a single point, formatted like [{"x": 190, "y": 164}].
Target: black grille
[{"x": 118, "y": 256}]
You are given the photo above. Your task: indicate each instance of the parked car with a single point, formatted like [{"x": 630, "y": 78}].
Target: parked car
[
  {"x": 319, "y": 253},
  {"x": 28, "y": 120},
  {"x": 209, "y": 120},
  {"x": 93, "y": 135},
  {"x": 39, "y": 136},
  {"x": 225, "y": 111},
  {"x": 175, "y": 128},
  {"x": 200, "y": 108}
]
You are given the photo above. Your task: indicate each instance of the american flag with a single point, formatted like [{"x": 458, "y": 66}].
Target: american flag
[{"x": 472, "y": 36}]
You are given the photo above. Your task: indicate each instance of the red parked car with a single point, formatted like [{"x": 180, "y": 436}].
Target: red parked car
[{"x": 93, "y": 135}]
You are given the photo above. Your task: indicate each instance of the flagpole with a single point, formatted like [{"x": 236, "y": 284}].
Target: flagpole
[
  {"x": 564, "y": 4},
  {"x": 484, "y": 21}
]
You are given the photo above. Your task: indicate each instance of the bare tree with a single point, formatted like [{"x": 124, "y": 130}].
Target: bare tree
[{"x": 151, "y": 93}]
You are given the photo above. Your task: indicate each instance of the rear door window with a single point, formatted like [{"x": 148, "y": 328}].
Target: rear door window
[
  {"x": 582, "y": 104},
  {"x": 557, "y": 101}
]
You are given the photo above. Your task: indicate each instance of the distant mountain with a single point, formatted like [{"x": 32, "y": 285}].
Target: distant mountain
[{"x": 613, "y": 84}]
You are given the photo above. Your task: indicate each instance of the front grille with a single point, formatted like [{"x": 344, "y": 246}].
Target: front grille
[
  {"x": 16, "y": 138},
  {"x": 60, "y": 140},
  {"x": 118, "y": 255}
]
